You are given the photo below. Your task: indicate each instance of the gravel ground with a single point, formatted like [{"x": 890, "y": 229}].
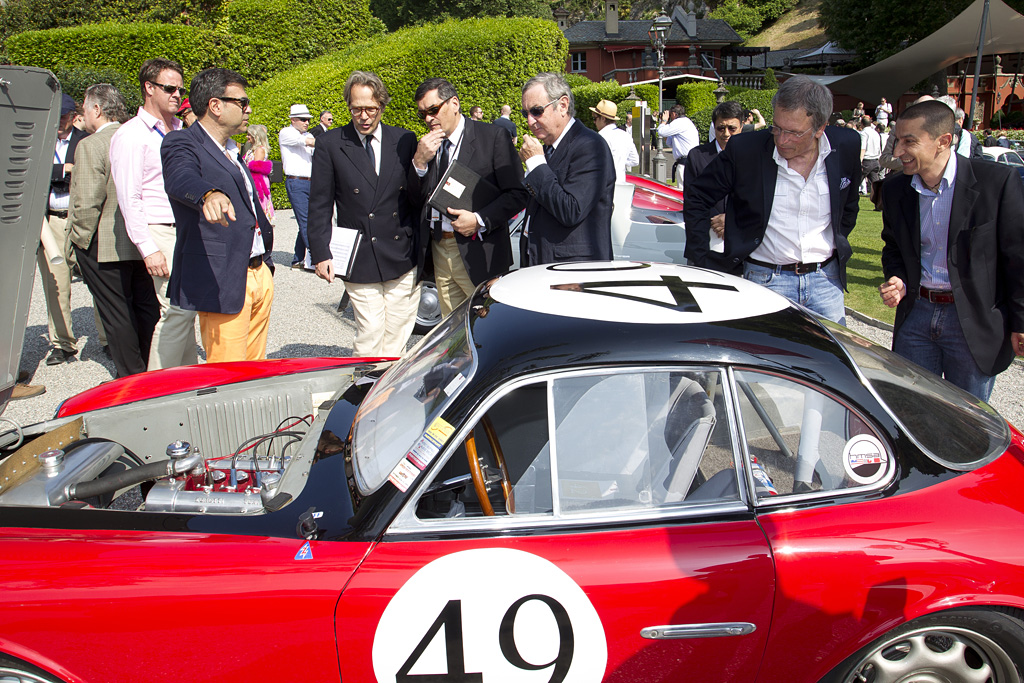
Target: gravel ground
[{"x": 304, "y": 322}]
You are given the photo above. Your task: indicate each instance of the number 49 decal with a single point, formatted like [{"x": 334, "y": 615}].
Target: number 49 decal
[{"x": 485, "y": 615}]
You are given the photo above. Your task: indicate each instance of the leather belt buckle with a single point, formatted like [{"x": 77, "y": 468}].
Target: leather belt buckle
[
  {"x": 937, "y": 296},
  {"x": 803, "y": 268}
]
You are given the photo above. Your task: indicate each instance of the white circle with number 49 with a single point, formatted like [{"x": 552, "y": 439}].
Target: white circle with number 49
[{"x": 491, "y": 614}]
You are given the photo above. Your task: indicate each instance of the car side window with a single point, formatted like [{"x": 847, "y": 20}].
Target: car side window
[
  {"x": 800, "y": 440},
  {"x": 614, "y": 441}
]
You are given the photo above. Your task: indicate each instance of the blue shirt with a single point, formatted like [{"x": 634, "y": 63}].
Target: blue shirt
[{"x": 934, "y": 208}]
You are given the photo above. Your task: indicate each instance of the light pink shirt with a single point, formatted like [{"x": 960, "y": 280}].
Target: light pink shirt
[{"x": 139, "y": 177}]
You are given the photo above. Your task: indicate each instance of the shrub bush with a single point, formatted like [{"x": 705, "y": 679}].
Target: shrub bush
[
  {"x": 74, "y": 81},
  {"x": 487, "y": 60},
  {"x": 302, "y": 30},
  {"x": 587, "y": 96},
  {"x": 760, "y": 100},
  {"x": 696, "y": 95},
  {"x": 124, "y": 47}
]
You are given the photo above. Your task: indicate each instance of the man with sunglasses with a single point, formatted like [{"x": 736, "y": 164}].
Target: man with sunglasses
[
  {"x": 296, "y": 144},
  {"x": 365, "y": 169},
  {"x": 466, "y": 247},
  {"x": 571, "y": 179},
  {"x": 326, "y": 121},
  {"x": 222, "y": 264},
  {"x": 792, "y": 201},
  {"x": 148, "y": 218}
]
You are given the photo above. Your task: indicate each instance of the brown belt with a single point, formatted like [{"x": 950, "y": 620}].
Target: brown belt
[
  {"x": 937, "y": 296},
  {"x": 297, "y": 177},
  {"x": 798, "y": 268},
  {"x": 255, "y": 262},
  {"x": 447, "y": 235}
]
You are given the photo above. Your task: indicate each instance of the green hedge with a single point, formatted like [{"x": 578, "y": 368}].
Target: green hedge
[
  {"x": 750, "y": 99},
  {"x": 696, "y": 95},
  {"x": 304, "y": 30},
  {"x": 124, "y": 47},
  {"x": 587, "y": 96},
  {"x": 74, "y": 81},
  {"x": 487, "y": 60}
]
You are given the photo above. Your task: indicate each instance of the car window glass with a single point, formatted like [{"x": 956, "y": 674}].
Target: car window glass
[
  {"x": 641, "y": 440},
  {"x": 800, "y": 441}
]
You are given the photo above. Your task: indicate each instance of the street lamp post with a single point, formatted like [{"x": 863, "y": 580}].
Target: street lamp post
[{"x": 658, "y": 34}]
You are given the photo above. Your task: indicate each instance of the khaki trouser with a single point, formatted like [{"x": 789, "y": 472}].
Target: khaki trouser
[
  {"x": 57, "y": 288},
  {"x": 450, "y": 276},
  {"x": 385, "y": 314},
  {"x": 174, "y": 338}
]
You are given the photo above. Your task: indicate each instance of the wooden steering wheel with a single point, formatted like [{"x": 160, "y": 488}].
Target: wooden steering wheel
[{"x": 477, "y": 473}]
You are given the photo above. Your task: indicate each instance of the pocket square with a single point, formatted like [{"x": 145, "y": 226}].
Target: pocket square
[{"x": 844, "y": 183}]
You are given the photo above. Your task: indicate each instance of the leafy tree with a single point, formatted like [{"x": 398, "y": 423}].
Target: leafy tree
[
  {"x": 877, "y": 29},
  {"x": 400, "y": 13}
]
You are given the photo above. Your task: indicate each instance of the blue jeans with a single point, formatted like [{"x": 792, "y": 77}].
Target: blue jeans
[
  {"x": 298, "y": 195},
  {"x": 820, "y": 291},
  {"x": 931, "y": 336}
]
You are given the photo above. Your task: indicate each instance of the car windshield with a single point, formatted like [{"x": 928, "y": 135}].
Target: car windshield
[
  {"x": 1012, "y": 159},
  {"x": 397, "y": 412},
  {"x": 954, "y": 428}
]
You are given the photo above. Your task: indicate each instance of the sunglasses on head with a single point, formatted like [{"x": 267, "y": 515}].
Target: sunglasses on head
[
  {"x": 170, "y": 89},
  {"x": 538, "y": 110},
  {"x": 432, "y": 111}
]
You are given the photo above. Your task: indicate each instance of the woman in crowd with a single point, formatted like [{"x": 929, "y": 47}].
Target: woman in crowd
[{"x": 260, "y": 166}]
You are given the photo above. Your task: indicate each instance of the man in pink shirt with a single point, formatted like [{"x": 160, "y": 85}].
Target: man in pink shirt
[{"x": 138, "y": 176}]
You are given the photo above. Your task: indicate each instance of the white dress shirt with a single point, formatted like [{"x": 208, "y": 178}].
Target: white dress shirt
[
  {"x": 623, "y": 150},
  {"x": 230, "y": 150},
  {"x": 59, "y": 200},
  {"x": 682, "y": 135},
  {"x": 800, "y": 225},
  {"x": 296, "y": 156}
]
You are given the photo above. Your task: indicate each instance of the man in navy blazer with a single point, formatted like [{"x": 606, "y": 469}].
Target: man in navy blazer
[
  {"x": 222, "y": 265},
  {"x": 793, "y": 201},
  {"x": 571, "y": 179}
]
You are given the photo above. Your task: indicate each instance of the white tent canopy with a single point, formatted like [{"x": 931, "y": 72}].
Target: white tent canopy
[{"x": 955, "y": 41}]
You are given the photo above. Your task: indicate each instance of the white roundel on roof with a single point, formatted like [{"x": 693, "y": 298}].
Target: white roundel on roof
[{"x": 635, "y": 292}]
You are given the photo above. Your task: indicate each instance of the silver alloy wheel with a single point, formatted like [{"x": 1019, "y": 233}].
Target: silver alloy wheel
[
  {"x": 13, "y": 675},
  {"x": 939, "y": 654},
  {"x": 429, "y": 312}
]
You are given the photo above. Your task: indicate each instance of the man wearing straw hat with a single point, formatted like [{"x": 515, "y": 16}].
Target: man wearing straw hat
[{"x": 606, "y": 116}]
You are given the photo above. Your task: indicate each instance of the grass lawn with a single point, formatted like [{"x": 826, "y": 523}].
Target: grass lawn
[{"x": 864, "y": 271}]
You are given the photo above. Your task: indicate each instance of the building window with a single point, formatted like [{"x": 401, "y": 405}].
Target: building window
[{"x": 579, "y": 62}]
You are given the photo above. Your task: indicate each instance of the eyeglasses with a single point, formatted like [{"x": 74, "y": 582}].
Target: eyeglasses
[
  {"x": 779, "y": 132},
  {"x": 432, "y": 111},
  {"x": 538, "y": 110},
  {"x": 329, "y": 120},
  {"x": 242, "y": 102},
  {"x": 365, "y": 111},
  {"x": 170, "y": 89}
]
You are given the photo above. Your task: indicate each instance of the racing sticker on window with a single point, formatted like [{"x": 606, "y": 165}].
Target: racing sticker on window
[
  {"x": 635, "y": 292},
  {"x": 421, "y": 454},
  {"x": 865, "y": 459},
  {"x": 490, "y": 614}
]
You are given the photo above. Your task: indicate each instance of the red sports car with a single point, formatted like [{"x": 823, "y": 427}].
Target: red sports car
[{"x": 601, "y": 471}]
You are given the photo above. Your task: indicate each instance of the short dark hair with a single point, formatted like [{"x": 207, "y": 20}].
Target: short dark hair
[
  {"x": 111, "y": 103},
  {"x": 211, "y": 83},
  {"x": 151, "y": 69},
  {"x": 445, "y": 90},
  {"x": 728, "y": 110},
  {"x": 370, "y": 80},
  {"x": 936, "y": 117}
]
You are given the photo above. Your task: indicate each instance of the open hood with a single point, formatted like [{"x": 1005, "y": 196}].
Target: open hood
[{"x": 29, "y": 113}]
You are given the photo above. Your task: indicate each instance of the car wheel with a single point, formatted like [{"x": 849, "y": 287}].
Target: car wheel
[
  {"x": 14, "y": 671},
  {"x": 968, "y": 646},
  {"x": 429, "y": 313}
]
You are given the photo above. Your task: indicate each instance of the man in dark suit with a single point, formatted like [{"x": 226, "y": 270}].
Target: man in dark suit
[
  {"x": 726, "y": 121},
  {"x": 326, "y": 121},
  {"x": 571, "y": 179},
  {"x": 467, "y": 247},
  {"x": 505, "y": 121},
  {"x": 953, "y": 254},
  {"x": 222, "y": 266},
  {"x": 365, "y": 168},
  {"x": 792, "y": 194}
]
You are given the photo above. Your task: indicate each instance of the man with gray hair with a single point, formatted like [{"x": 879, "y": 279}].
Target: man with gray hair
[
  {"x": 112, "y": 267},
  {"x": 571, "y": 179},
  {"x": 793, "y": 201}
]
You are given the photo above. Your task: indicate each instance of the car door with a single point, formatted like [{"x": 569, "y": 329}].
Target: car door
[{"x": 621, "y": 545}]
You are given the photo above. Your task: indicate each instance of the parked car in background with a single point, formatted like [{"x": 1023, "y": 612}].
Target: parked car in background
[{"x": 1005, "y": 156}]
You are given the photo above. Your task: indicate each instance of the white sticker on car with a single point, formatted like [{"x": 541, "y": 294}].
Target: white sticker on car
[
  {"x": 865, "y": 459},
  {"x": 490, "y": 614},
  {"x": 635, "y": 292}
]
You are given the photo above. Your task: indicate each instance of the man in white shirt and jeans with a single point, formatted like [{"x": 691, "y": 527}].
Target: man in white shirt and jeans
[
  {"x": 624, "y": 153},
  {"x": 681, "y": 134},
  {"x": 297, "y": 163},
  {"x": 870, "y": 151}
]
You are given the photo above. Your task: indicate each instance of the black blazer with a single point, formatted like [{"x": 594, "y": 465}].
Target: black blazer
[
  {"x": 210, "y": 260},
  {"x": 58, "y": 181},
  {"x": 984, "y": 254},
  {"x": 385, "y": 208},
  {"x": 318, "y": 129},
  {"x": 570, "y": 207},
  {"x": 745, "y": 172},
  {"x": 487, "y": 150},
  {"x": 509, "y": 125}
]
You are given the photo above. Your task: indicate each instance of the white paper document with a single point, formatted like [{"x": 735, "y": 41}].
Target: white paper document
[{"x": 344, "y": 245}]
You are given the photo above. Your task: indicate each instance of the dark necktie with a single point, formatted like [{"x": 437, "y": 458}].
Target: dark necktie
[
  {"x": 444, "y": 159},
  {"x": 548, "y": 151},
  {"x": 369, "y": 153}
]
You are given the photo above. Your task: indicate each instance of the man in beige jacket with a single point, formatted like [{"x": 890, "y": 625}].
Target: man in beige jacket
[{"x": 112, "y": 268}]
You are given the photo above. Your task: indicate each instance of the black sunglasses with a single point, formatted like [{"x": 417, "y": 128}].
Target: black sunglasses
[
  {"x": 242, "y": 102},
  {"x": 170, "y": 89},
  {"x": 538, "y": 110},
  {"x": 432, "y": 111}
]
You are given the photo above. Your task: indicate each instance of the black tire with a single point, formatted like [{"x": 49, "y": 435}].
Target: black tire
[
  {"x": 963, "y": 645},
  {"x": 428, "y": 315},
  {"x": 17, "y": 671}
]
